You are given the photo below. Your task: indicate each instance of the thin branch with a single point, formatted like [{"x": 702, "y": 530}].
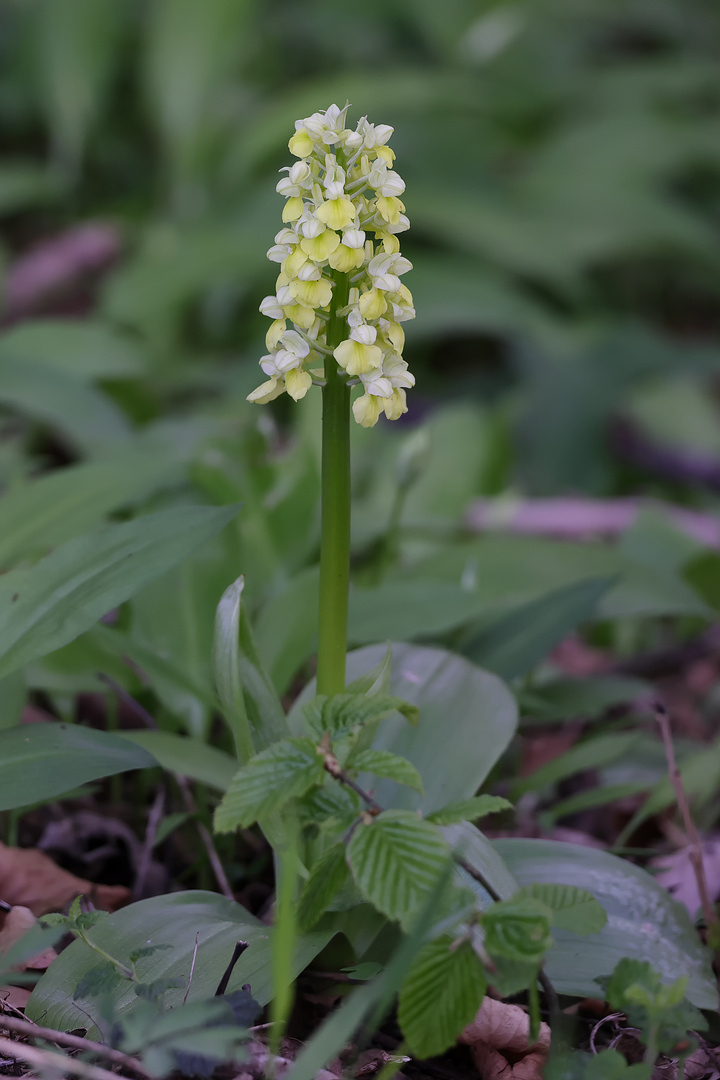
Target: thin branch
[
  {"x": 26, "y": 1027},
  {"x": 696, "y": 855},
  {"x": 46, "y": 1059},
  {"x": 240, "y": 947},
  {"x": 192, "y": 968}
]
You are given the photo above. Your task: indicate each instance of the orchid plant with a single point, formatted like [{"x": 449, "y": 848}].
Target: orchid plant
[{"x": 339, "y": 288}]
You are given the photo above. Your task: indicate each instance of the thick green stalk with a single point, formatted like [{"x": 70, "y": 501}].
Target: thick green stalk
[{"x": 335, "y": 491}]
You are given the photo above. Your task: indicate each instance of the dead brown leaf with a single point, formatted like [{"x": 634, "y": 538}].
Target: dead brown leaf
[
  {"x": 31, "y": 879},
  {"x": 499, "y": 1040},
  {"x": 17, "y": 923}
]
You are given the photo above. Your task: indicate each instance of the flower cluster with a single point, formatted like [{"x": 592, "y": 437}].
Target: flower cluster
[{"x": 342, "y": 215}]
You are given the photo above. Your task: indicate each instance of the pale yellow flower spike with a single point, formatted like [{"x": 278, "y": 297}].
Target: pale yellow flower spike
[{"x": 342, "y": 215}]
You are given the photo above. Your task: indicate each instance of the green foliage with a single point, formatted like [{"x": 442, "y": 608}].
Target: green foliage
[
  {"x": 470, "y": 809},
  {"x": 441, "y": 994},
  {"x": 660, "y": 1010},
  {"x": 269, "y": 780}
]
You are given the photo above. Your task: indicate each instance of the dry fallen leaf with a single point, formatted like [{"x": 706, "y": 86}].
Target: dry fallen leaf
[
  {"x": 17, "y": 923},
  {"x": 499, "y": 1040},
  {"x": 678, "y": 876},
  {"x": 31, "y": 879}
]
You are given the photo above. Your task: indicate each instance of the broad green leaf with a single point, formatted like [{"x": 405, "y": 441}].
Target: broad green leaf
[
  {"x": 573, "y": 908},
  {"x": 467, "y": 718},
  {"x": 643, "y": 921},
  {"x": 601, "y": 795},
  {"x": 262, "y": 704},
  {"x": 40, "y": 761},
  {"x": 342, "y": 713},
  {"x": 510, "y": 571},
  {"x": 440, "y": 996},
  {"x": 83, "y": 348},
  {"x": 285, "y": 770},
  {"x": 226, "y": 663},
  {"x": 569, "y": 698},
  {"x": 389, "y": 766},
  {"x": 24, "y": 184},
  {"x": 13, "y": 697},
  {"x": 174, "y": 920},
  {"x": 396, "y": 859},
  {"x": 66, "y": 502},
  {"x": 48, "y": 605},
  {"x": 87, "y": 418},
  {"x": 286, "y": 628},
  {"x": 327, "y": 877},
  {"x": 514, "y": 643},
  {"x": 470, "y": 809},
  {"x": 189, "y": 757}
]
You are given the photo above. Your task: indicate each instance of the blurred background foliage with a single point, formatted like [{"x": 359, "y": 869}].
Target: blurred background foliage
[{"x": 562, "y": 161}]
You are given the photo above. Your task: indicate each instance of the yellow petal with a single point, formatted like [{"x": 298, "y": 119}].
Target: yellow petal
[
  {"x": 396, "y": 336},
  {"x": 385, "y": 154},
  {"x": 276, "y": 331},
  {"x": 389, "y": 208},
  {"x": 297, "y": 383},
  {"x": 366, "y": 410},
  {"x": 337, "y": 213},
  {"x": 396, "y": 405},
  {"x": 303, "y": 317},
  {"x": 313, "y": 294},
  {"x": 356, "y": 358},
  {"x": 390, "y": 242},
  {"x": 372, "y": 304},
  {"x": 319, "y": 247},
  {"x": 346, "y": 259},
  {"x": 301, "y": 145},
  {"x": 293, "y": 208},
  {"x": 293, "y": 262},
  {"x": 267, "y": 391}
]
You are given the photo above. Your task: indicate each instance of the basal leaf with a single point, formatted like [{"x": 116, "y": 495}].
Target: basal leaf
[
  {"x": 388, "y": 766},
  {"x": 53, "y": 602},
  {"x": 285, "y": 770},
  {"x": 470, "y": 809},
  {"x": 441, "y": 994},
  {"x": 395, "y": 859},
  {"x": 41, "y": 761},
  {"x": 326, "y": 878}
]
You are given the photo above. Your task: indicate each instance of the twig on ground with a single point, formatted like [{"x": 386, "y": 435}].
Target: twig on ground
[
  {"x": 76, "y": 1042},
  {"x": 47, "y": 1059},
  {"x": 240, "y": 947},
  {"x": 185, "y": 791},
  {"x": 696, "y": 855},
  {"x": 154, "y": 818}
]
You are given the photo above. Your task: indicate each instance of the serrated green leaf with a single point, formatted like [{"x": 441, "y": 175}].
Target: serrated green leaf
[
  {"x": 327, "y": 877},
  {"x": 470, "y": 809},
  {"x": 395, "y": 860},
  {"x": 573, "y": 908},
  {"x": 87, "y": 919},
  {"x": 75, "y": 910},
  {"x": 285, "y": 770},
  {"x": 145, "y": 950},
  {"x": 441, "y": 994},
  {"x": 388, "y": 766},
  {"x": 343, "y": 713},
  {"x": 97, "y": 980},
  {"x": 518, "y": 929}
]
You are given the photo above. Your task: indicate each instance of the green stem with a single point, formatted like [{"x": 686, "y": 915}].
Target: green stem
[{"x": 335, "y": 488}]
